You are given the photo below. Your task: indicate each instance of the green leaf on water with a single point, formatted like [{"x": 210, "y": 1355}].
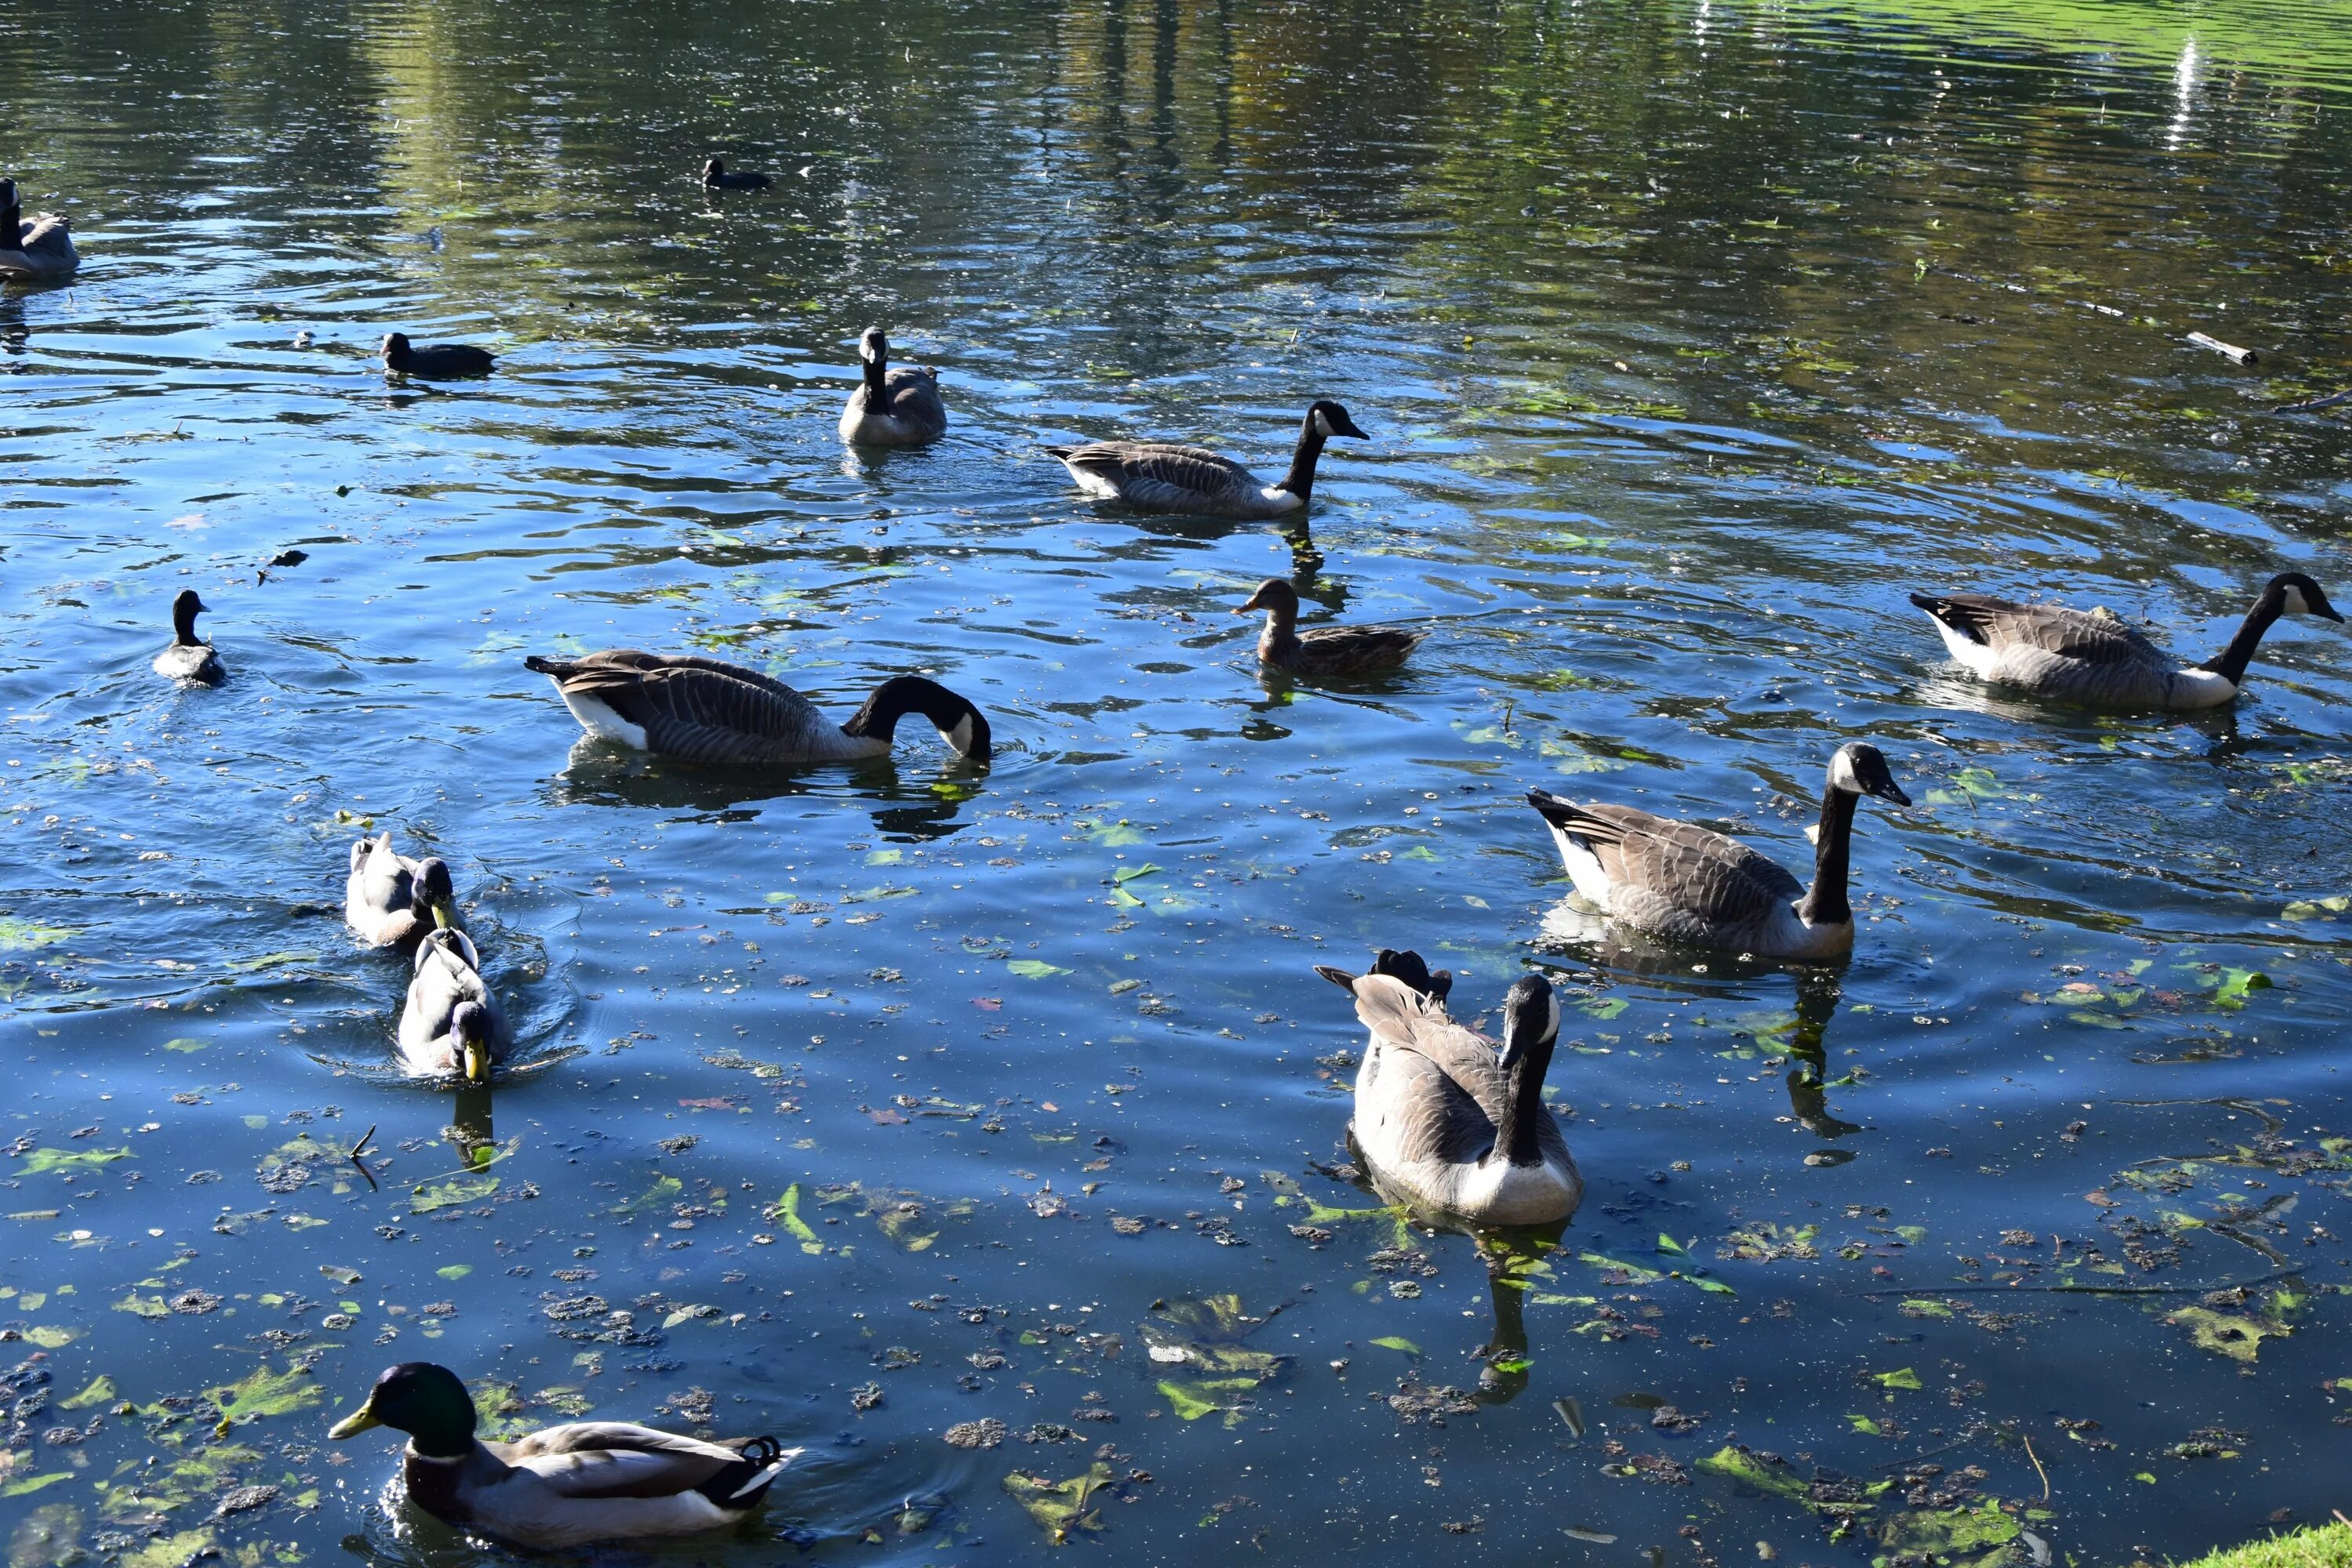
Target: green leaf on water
[
  {"x": 34, "y": 1483},
  {"x": 186, "y": 1044},
  {"x": 1713, "y": 1286},
  {"x": 1395, "y": 1342},
  {"x": 1121, "y": 898},
  {"x": 1969, "y": 1537},
  {"x": 1923, "y": 1309},
  {"x": 1668, "y": 1245},
  {"x": 663, "y": 1191},
  {"x": 69, "y": 1161},
  {"x": 337, "y": 1274},
  {"x": 1746, "y": 1468},
  {"x": 788, "y": 1214},
  {"x": 1864, "y": 1424},
  {"x": 2236, "y": 983},
  {"x": 2316, "y": 909},
  {"x": 455, "y": 1271},
  {"x": 100, "y": 1392},
  {"x": 428, "y": 1196},
  {"x": 1604, "y": 1007},
  {"x": 1061, "y": 1507},
  {"x": 268, "y": 961},
  {"x": 1130, "y": 873},
  {"x": 1033, "y": 969},
  {"x": 2226, "y": 1333},
  {"x": 1112, "y": 836},
  {"x": 263, "y": 1392},
  {"x": 1419, "y": 852},
  {"x": 1903, "y": 1377},
  {"x": 19, "y": 936},
  {"x": 885, "y": 857},
  {"x": 143, "y": 1306}
]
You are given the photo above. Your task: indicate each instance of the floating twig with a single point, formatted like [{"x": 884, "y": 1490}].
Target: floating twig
[
  {"x": 356, "y": 1150},
  {"x": 2312, "y": 405},
  {"x": 2230, "y": 351},
  {"x": 2037, "y": 1469},
  {"x": 2085, "y": 1289}
]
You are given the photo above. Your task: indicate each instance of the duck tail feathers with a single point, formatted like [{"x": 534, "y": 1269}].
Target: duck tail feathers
[{"x": 741, "y": 1484}]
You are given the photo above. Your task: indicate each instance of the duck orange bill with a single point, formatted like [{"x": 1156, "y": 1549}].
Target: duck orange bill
[{"x": 351, "y": 1425}]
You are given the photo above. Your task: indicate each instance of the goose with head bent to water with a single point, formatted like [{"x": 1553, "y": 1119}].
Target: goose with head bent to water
[
  {"x": 188, "y": 657},
  {"x": 707, "y": 710},
  {"x": 898, "y": 407},
  {"x": 450, "y": 1026},
  {"x": 1442, "y": 1118},
  {"x": 1157, "y": 476},
  {"x": 1691, "y": 884},
  {"x": 42, "y": 248},
  {"x": 564, "y": 1486},
  {"x": 2091, "y": 658},
  {"x": 392, "y": 900}
]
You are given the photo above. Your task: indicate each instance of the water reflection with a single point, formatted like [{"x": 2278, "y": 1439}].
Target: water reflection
[{"x": 911, "y": 804}]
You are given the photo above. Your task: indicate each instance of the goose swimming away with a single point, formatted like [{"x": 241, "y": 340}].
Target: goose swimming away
[
  {"x": 2091, "y": 658},
  {"x": 1688, "y": 883},
  {"x": 717, "y": 177},
  {"x": 451, "y": 1026},
  {"x": 705, "y": 710},
  {"x": 435, "y": 362},
  {"x": 1157, "y": 476},
  {"x": 44, "y": 248},
  {"x": 893, "y": 407},
  {"x": 189, "y": 658},
  {"x": 392, "y": 900},
  {"x": 1324, "y": 650},
  {"x": 562, "y": 1486},
  {"x": 1441, "y": 1117}
]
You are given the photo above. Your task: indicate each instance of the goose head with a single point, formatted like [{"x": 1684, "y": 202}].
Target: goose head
[
  {"x": 2297, "y": 594},
  {"x": 1859, "y": 768},
  {"x": 432, "y": 895},
  {"x": 1327, "y": 419},
  {"x": 185, "y": 608},
  {"x": 1275, "y": 596},
  {"x": 425, "y": 1401},
  {"x": 469, "y": 1027},
  {"x": 1530, "y": 1022},
  {"x": 874, "y": 347}
]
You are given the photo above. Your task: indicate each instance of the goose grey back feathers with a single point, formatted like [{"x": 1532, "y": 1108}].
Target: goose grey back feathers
[
  {"x": 42, "y": 248},
  {"x": 2091, "y": 660},
  {"x": 1157, "y": 476},
  {"x": 707, "y": 710},
  {"x": 1688, "y": 883},
  {"x": 898, "y": 407},
  {"x": 188, "y": 657},
  {"x": 1442, "y": 1118}
]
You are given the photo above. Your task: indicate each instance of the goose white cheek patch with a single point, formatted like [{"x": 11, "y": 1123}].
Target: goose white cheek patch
[
  {"x": 1322, "y": 424},
  {"x": 959, "y": 737}
]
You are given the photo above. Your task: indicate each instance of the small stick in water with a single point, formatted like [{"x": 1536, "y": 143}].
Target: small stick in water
[
  {"x": 357, "y": 1149},
  {"x": 2330, "y": 401},
  {"x": 2231, "y": 351}
]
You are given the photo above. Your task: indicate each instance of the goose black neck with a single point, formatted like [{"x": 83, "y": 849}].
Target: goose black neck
[
  {"x": 1523, "y": 1106},
  {"x": 877, "y": 371},
  {"x": 183, "y": 625},
  {"x": 12, "y": 224},
  {"x": 2232, "y": 664},
  {"x": 1824, "y": 902},
  {"x": 1300, "y": 480}
]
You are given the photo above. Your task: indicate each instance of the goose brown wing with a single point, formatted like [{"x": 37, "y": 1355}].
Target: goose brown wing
[
  {"x": 691, "y": 706},
  {"x": 1695, "y": 869},
  {"x": 1159, "y": 473},
  {"x": 1409, "y": 1022},
  {"x": 1426, "y": 1115},
  {"x": 2053, "y": 628},
  {"x": 913, "y": 393}
]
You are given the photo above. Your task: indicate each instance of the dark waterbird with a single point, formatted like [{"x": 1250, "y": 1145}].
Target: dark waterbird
[
  {"x": 1159, "y": 476},
  {"x": 562, "y": 1486},
  {"x": 435, "y": 362},
  {"x": 1323, "y": 650},
  {"x": 189, "y": 658},
  {"x": 41, "y": 247},
  {"x": 716, "y": 176},
  {"x": 898, "y": 407}
]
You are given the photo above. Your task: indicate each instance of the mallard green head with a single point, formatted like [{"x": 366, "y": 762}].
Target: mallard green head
[
  {"x": 432, "y": 894},
  {"x": 425, "y": 1401},
  {"x": 469, "y": 1023}
]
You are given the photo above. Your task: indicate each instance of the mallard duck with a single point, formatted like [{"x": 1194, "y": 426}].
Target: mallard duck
[
  {"x": 189, "y": 658},
  {"x": 435, "y": 362},
  {"x": 1441, "y": 1119},
  {"x": 716, "y": 176},
  {"x": 1325, "y": 650},
  {"x": 43, "y": 247},
  {"x": 1688, "y": 883},
  {"x": 707, "y": 710},
  {"x": 893, "y": 407},
  {"x": 450, "y": 1026},
  {"x": 1156, "y": 476},
  {"x": 2093, "y": 660},
  {"x": 392, "y": 900},
  {"x": 564, "y": 1486}
]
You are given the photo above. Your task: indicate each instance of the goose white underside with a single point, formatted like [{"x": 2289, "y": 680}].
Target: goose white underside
[
  {"x": 2193, "y": 688},
  {"x": 2054, "y": 675},
  {"x": 599, "y": 720},
  {"x": 1495, "y": 1193}
]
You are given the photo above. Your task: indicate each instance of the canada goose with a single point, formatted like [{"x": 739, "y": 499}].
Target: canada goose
[
  {"x": 1692, "y": 884},
  {"x": 392, "y": 900},
  {"x": 2093, "y": 660},
  {"x": 709, "y": 711},
  {"x": 1325, "y": 650},
  {"x": 451, "y": 1026},
  {"x": 44, "y": 248},
  {"x": 187, "y": 659},
  {"x": 715, "y": 176},
  {"x": 893, "y": 407},
  {"x": 564, "y": 1486},
  {"x": 435, "y": 362},
  {"x": 1443, "y": 1120},
  {"x": 1157, "y": 476}
]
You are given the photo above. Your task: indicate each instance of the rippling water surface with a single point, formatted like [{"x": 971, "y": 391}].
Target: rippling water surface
[{"x": 1690, "y": 338}]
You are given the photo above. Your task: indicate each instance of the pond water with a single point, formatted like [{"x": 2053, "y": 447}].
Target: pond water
[{"x": 1690, "y": 340}]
